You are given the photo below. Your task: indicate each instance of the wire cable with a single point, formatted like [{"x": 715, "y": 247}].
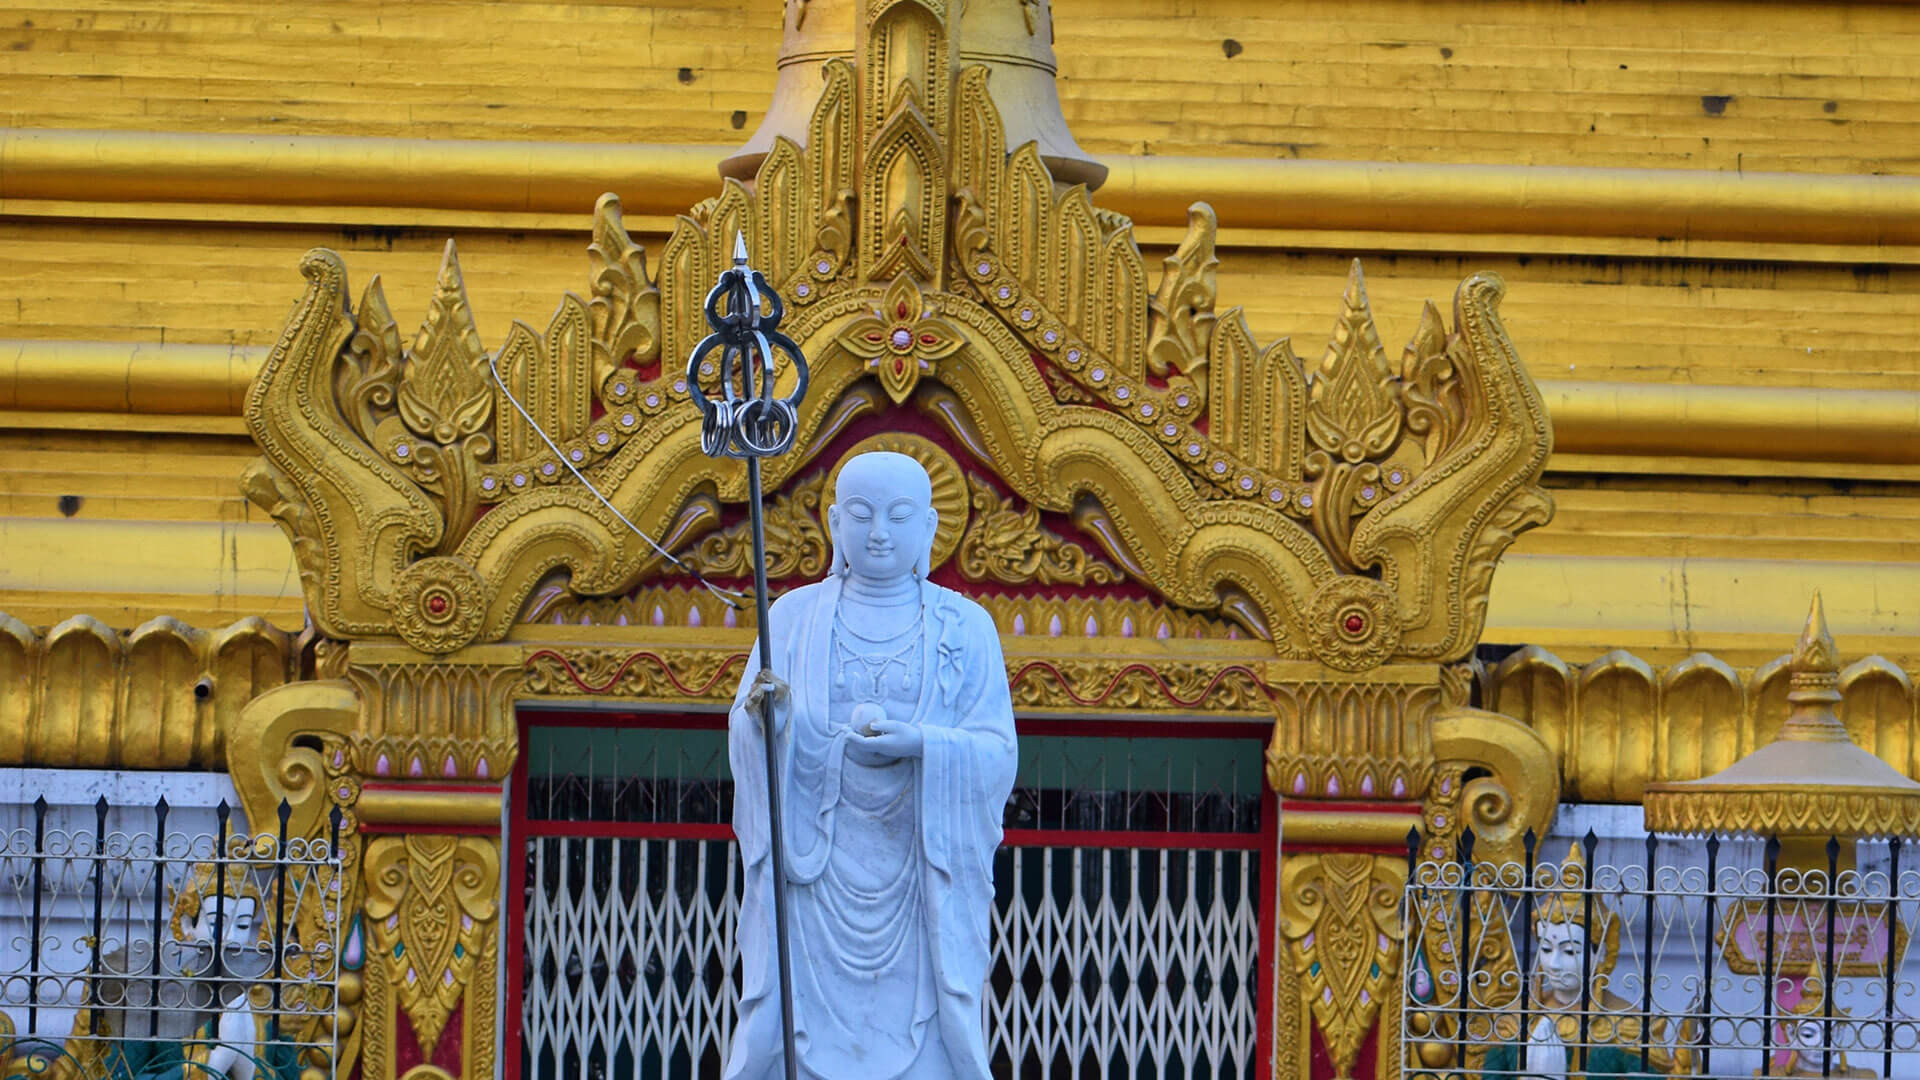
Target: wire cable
[{"x": 730, "y": 597}]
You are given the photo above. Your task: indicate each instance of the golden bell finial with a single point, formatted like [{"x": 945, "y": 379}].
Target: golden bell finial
[
  {"x": 1810, "y": 784},
  {"x": 1814, "y": 652},
  {"x": 1013, "y": 39},
  {"x": 1814, "y": 683}
]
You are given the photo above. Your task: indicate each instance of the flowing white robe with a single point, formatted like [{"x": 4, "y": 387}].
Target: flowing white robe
[{"x": 889, "y": 868}]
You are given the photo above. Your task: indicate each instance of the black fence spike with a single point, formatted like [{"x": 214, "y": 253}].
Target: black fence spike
[
  {"x": 160, "y": 809},
  {"x": 1769, "y": 971},
  {"x": 1892, "y": 969},
  {"x": 1646, "y": 958},
  {"x": 1827, "y": 972},
  {"x": 99, "y": 914},
  {"x": 1586, "y": 954}
]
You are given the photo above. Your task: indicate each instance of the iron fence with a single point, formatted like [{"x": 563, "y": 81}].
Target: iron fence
[
  {"x": 1126, "y": 930},
  {"x": 136, "y": 948},
  {"x": 1710, "y": 957}
]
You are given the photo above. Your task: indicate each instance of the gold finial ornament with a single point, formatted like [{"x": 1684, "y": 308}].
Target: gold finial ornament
[
  {"x": 1812, "y": 782},
  {"x": 1013, "y": 41}
]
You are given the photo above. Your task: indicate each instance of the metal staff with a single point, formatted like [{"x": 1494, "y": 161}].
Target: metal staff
[{"x": 748, "y": 420}]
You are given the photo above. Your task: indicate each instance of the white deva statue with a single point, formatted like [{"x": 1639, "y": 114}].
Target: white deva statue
[{"x": 897, "y": 754}]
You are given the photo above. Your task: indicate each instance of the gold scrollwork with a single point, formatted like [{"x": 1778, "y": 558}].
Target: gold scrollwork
[
  {"x": 1120, "y": 684},
  {"x": 1191, "y": 452},
  {"x": 1007, "y": 544},
  {"x": 431, "y": 903},
  {"x": 649, "y": 674},
  {"x": 796, "y": 542},
  {"x": 1519, "y": 788},
  {"x": 1340, "y": 918}
]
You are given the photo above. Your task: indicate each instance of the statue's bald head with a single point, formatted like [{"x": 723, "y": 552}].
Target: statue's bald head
[
  {"x": 884, "y": 471},
  {"x": 882, "y": 517}
]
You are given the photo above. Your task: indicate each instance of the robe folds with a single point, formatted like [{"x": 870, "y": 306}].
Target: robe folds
[{"x": 889, "y": 929}]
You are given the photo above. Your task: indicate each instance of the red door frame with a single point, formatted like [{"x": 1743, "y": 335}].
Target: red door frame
[{"x": 1266, "y": 843}]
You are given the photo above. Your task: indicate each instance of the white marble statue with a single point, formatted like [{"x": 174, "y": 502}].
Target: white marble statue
[{"x": 896, "y": 748}]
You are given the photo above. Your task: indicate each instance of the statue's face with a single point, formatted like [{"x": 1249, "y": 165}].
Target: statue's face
[
  {"x": 882, "y": 516},
  {"x": 236, "y": 921},
  {"x": 1558, "y": 959},
  {"x": 1806, "y": 1035}
]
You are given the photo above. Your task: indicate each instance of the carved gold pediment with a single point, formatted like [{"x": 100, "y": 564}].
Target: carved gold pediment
[{"x": 1350, "y": 510}]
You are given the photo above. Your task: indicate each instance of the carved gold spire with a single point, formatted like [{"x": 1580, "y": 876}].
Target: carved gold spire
[
  {"x": 1013, "y": 41},
  {"x": 1812, "y": 782}
]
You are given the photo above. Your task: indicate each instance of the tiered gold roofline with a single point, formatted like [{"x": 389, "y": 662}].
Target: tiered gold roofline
[
  {"x": 527, "y": 177},
  {"x": 1613, "y": 419},
  {"x": 1619, "y": 723},
  {"x": 1613, "y": 725}
]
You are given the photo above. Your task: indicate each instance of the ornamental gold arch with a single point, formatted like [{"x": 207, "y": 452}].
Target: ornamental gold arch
[
  {"x": 1359, "y": 510},
  {"x": 1348, "y": 510}
]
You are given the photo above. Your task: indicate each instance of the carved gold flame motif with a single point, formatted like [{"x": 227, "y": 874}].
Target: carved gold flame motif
[{"x": 1262, "y": 483}]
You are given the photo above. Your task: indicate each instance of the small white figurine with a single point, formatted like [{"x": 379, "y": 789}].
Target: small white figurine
[{"x": 896, "y": 748}]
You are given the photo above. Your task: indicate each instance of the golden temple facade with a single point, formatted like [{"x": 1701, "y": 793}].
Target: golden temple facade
[{"x": 1463, "y": 399}]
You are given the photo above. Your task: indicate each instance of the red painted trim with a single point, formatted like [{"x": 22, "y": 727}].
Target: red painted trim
[
  {"x": 666, "y": 669},
  {"x": 1146, "y": 729},
  {"x": 1409, "y": 809},
  {"x": 429, "y": 785},
  {"x": 1092, "y": 838},
  {"x": 630, "y": 830},
  {"x": 674, "y": 721},
  {"x": 1083, "y": 838},
  {"x": 406, "y": 829},
  {"x": 1156, "y": 728},
  {"x": 516, "y": 927},
  {"x": 1269, "y": 929}
]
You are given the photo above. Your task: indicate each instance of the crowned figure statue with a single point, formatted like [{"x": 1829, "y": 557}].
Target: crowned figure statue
[
  {"x": 896, "y": 751},
  {"x": 207, "y": 1020},
  {"x": 1800, "y": 1037},
  {"x": 1577, "y": 936}
]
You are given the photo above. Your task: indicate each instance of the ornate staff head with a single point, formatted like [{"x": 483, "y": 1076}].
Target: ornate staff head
[{"x": 746, "y": 419}]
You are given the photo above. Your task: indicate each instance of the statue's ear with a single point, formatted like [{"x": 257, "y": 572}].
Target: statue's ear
[
  {"x": 838, "y": 564},
  {"x": 924, "y": 567}
]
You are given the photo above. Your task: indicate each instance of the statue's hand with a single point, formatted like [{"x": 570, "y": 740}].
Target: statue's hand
[
  {"x": 895, "y": 738},
  {"x": 767, "y": 690}
]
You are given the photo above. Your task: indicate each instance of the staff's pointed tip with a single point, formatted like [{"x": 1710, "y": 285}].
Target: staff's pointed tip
[{"x": 740, "y": 249}]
